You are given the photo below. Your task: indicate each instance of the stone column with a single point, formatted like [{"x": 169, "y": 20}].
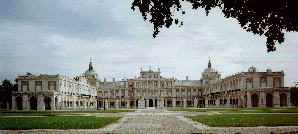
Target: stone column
[
  {"x": 84, "y": 104},
  {"x": 62, "y": 104},
  {"x": 162, "y": 102},
  {"x": 106, "y": 104},
  {"x": 184, "y": 103},
  {"x": 117, "y": 104},
  {"x": 206, "y": 103},
  {"x": 147, "y": 102},
  {"x": 228, "y": 102},
  {"x": 65, "y": 104},
  {"x": 195, "y": 103},
  {"x": 153, "y": 102},
  {"x": 166, "y": 103},
  {"x": 249, "y": 100},
  {"x": 127, "y": 104},
  {"x": 217, "y": 103},
  {"x": 174, "y": 102},
  {"x": 73, "y": 104},
  {"x": 96, "y": 104}
]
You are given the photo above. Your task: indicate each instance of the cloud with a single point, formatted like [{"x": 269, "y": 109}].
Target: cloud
[{"x": 61, "y": 36}]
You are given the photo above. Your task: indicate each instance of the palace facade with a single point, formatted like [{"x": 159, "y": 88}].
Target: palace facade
[{"x": 150, "y": 89}]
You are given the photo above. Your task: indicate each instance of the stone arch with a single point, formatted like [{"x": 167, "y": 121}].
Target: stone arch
[
  {"x": 283, "y": 99},
  {"x": 19, "y": 101},
  {"x": 33, "y": 103},
  {"x": 254, "y": 100},
  {"x": 269, "y": 100},
  {"x": 47, "y": 103}
]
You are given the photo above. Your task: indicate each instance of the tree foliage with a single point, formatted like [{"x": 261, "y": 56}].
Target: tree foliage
[
  {"x": 5, "y": 92},
  {"x": 257, "y": 16},
  {"x": 294, "y": 96}
]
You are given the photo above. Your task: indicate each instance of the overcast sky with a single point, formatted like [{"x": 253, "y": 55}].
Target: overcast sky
[{"x": 59, "y": 37}]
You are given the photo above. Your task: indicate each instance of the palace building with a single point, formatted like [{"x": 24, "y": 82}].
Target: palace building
[{"x": 150, "y": 89}]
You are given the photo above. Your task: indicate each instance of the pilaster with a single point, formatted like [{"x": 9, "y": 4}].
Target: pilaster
[
  {"x": 276, "y": 100},
  {"x": 262, "y": 100},
  {"x": 289, "y": 99},
  {"x": 117, "y": 104},
  {"x": 40, "y": 103},
  {"x": 53, "y": 107},
  {"x": 26, "y": 106},
  {"x": 249, "y": 100},
  {"x": 13, "y": 103}
]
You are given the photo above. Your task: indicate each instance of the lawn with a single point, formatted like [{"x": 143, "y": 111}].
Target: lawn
[
  {"x": 247, "y": 120},
  {"x": 243, "y": 110},
  {"x": 52, "y": 113},
  {"x": 55, "y": 122}
]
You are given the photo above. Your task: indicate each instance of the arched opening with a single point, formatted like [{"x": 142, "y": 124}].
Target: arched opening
[
  {"x": 99, "y": 104},
  {"x": 132, "y": 103},
  {"x": 137, "y": 103},
  {"x": 283, "y": 99},
  {"x": 254, "y": 100},
  {"x": 169, "y": 103},
  {"x": 19, "y": 103},
  {"x": 47, "y": 102},
  {"x": 269, "y": 100},
  {"x": 33, "y": 103},
  {"x": 150, "y": 103}
]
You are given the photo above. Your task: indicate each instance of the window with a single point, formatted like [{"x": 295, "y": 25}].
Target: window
[
  {"x": 263, "y": 82},
  {"x": 249, "y": 83},
  {"x": 38, "y": 85}
]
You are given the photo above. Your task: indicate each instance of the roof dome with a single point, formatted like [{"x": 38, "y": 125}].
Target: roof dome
[
  {"x": 209, "y": 70},
  {"x": 90, "y": 71}
]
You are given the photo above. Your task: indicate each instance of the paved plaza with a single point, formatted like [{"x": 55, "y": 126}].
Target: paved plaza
[{"x": 153, "y": 120}]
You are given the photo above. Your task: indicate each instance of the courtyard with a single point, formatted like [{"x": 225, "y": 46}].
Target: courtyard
[{"x": 152, "y": 120}]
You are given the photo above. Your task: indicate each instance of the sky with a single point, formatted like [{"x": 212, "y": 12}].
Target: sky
[{"x": 59, "y": 37}]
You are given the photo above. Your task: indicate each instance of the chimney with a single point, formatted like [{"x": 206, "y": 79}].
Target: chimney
[
  {"x": 186, "y": 77},
  {"x": 113, "y": 79},
  {"x": 105, "y": 79}
]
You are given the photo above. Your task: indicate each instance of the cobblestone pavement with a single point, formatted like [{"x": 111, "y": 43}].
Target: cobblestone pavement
[{"x": 161, "y": 121}]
